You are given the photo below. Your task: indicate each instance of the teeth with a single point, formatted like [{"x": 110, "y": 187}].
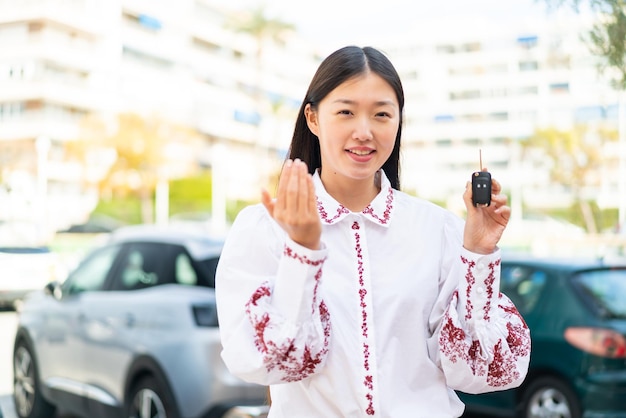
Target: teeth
[{"x": 360, "y": 152}]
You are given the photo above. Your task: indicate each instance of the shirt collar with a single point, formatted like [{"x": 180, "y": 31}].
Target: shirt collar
[{"x": 378, "y": 211}]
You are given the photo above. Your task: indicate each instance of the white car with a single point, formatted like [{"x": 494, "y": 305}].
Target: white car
[
  {"x": 25, "y": 269},
  {"x": 132, "y": 332}
]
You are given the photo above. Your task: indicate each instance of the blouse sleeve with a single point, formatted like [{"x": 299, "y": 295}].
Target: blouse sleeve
[
  {"x": 480, "y": 340},
  {"x": 274, "y": 327}
]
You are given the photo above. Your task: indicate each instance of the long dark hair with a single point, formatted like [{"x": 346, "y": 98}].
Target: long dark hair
[{"x": 342, "y": 65}]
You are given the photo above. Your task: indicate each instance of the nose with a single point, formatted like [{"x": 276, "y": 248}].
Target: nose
[{"x": 362, "y": 129}]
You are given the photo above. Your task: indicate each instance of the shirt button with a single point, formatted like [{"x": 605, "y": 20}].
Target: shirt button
[{"x": 480, "y": 290}]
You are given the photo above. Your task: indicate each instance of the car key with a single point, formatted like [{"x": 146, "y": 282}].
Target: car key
[{"x": 481, "y": 185}]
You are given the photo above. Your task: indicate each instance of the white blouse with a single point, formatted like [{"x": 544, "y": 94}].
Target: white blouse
[{"x": 386, "y": 320}]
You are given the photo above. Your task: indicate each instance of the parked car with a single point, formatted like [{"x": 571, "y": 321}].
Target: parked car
[
  {"x": 576, "y": 312},
  {"x": 24, "y": 269},
  {"x": 131, "y": 332}
]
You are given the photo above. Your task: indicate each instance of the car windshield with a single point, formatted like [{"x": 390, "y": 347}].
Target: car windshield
[{"x": 607, "y": 289}]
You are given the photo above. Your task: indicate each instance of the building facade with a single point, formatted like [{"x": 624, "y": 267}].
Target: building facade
[
  {"x": 470, "y": 86},
  {"x": 483, "y": 86},
  {"x": 179, "y": 61}
]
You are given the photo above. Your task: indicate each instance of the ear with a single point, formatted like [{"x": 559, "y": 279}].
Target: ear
[{"x": 311, "y": 119}]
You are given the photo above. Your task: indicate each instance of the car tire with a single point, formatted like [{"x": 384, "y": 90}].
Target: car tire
[
  {"x": 550, "y": 396},
  {"x": 150, "y": 399},
  {"x": 27, "y": 396}
]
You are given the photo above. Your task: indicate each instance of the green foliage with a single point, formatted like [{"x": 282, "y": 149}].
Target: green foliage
[
  {"x": 126, "y": 209},
  {"x": 187, "y": 195},
  {"x": 234, "y": 207},
  {"x": 607, "y": 38},
  {"x": 191, "y": 194},
  {"x": 605, "y": 219}
]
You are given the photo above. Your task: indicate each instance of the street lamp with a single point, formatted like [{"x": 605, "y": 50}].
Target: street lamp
[{"x": 42, "y": 147}]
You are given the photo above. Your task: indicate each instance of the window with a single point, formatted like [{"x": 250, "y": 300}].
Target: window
[
  {"x": 523, "y": 285},
  {"x": 558, "y": 88},
  {"x": 528, "y": 90},
  {"x": 92, "y": 273},
  {"x": 444, "y": 118},
  {"x": 464, "y": 95},
  {"x": 185, "y": 273},
  {"x": 143, "y": 265},
  {"x": 527, "y": 42},
  {"x": 528, "y": 65},
  {"x": 606, "y": 289},
  {"x": 443, "y": 143},
  {"x": 136, "y": 274}
]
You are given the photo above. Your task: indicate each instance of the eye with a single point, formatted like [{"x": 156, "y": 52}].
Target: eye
[
  {"x": 344, "y": 112},
  {"x": 383, "y": 114}
]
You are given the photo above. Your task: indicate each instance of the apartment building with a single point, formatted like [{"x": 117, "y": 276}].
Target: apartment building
[
  {"x": 62, "y": 60},
  {"x": 470, "y": 85},
  {"x": 476, "y": 85}
]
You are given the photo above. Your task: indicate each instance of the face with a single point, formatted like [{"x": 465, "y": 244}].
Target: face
[{"x": 356, "y": 125}]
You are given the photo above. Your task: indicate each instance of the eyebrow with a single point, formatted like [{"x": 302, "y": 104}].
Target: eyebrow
[{"x": 378, "y": 103}]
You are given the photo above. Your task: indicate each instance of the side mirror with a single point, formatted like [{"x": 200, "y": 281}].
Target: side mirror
[{"x": 53, "y": 289}]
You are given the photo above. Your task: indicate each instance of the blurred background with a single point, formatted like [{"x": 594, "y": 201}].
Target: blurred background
[{"x": 117, "y": 112}]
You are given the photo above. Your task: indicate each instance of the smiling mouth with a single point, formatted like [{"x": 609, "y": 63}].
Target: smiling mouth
[{"x": 360, "y": 152}]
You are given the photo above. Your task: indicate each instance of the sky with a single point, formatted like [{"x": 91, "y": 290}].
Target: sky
[{"x": 339, "y": 22}]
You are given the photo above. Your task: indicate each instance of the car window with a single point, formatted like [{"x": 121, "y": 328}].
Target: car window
[
  {"x": 523, "y": 285},
  {"x": 150, "y": 264},
  {"x": 142, "y": 265},
  {"x": 184, "y": 271},
  {"x": 91, "y": 274},
  {"x": 606, "y": 289},
  {"x": 208, "y": 267}
]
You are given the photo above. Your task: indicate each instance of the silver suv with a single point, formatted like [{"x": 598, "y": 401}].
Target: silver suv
[{"x": 132, "y": 332}]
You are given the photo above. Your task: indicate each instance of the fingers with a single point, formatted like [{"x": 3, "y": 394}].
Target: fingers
[
  {"x": 291, "y": 197},
  {"x": 496, "y": 188},
  {"x": 467, "y": 196},
  {"x": 267, "y": 201},
  {"x": 295, "y": 196}
]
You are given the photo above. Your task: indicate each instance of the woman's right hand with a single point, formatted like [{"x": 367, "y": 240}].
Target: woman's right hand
[{"x": 295, "y": 205}]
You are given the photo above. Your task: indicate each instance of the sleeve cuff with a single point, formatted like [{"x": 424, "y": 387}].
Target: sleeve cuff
[
  {"x": 480, "y": 285},
  {"x": 299, "y": 273}
]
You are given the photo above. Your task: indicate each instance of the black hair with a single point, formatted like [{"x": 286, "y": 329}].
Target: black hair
[{"x": 344, "y": 64}]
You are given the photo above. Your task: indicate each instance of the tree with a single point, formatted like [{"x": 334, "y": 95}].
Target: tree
[
  {"x": 140, "y": 155},
  {"x": 575, "y": 158},
  {"x": 607, "y": 38},
  {"x": 264, "y": 30}
]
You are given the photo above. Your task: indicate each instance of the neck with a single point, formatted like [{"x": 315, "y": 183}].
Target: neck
[{"x": 354, "y": 195}]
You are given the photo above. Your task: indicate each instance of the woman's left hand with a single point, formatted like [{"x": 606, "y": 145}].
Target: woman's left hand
[{"x": 485, "y": 224}]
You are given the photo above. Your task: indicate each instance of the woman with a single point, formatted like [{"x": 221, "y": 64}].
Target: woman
[{"x": 350, "y": 298}]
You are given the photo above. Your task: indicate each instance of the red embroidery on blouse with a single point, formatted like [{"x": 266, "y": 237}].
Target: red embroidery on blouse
[
  {"x": 284, "y": 355},
  {"x": 471, "y": 280},
  {"x": 502, "y": 369},
  {"x": 369, "y": 380},
  {"x": 388, "y": 206},
  {"x": 340, "y": 211},
  {"x": 290, "y": 252},
  {"x": 489, "y": 284},
  {"x": 452, "y": 341}
]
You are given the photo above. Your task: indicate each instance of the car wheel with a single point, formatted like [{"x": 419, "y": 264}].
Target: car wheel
[
  {"x": 29, "y": 402},
  {"x": 550, "y": 397},
  {"x": 149, "y": 399}
]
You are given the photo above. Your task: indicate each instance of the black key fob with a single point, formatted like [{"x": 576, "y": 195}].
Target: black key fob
[{"x": 481, "y": 188}]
